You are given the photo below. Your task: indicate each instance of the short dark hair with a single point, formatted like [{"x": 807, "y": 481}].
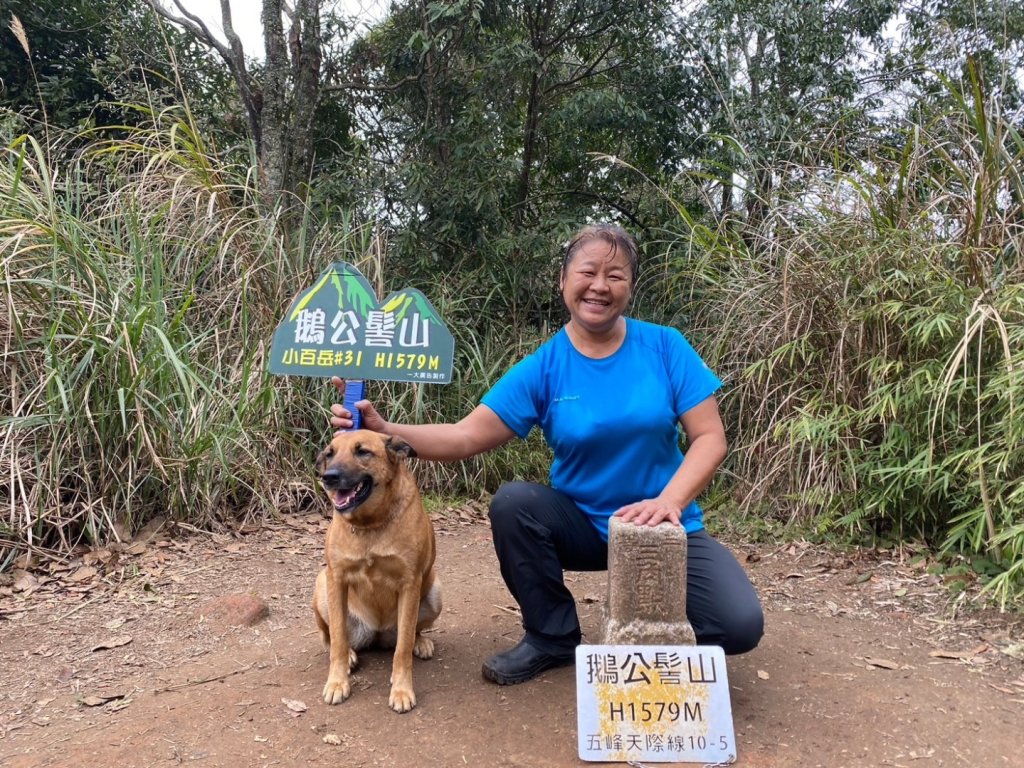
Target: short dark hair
[{"x": 616, "y": 237}]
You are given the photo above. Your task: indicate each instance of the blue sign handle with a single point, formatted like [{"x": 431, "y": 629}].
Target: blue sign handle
[{"x": 353, "y": 393}]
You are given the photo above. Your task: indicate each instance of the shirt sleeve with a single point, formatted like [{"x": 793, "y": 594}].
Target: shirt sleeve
[
  {"x": 692, "y": 381},
  {"x": 514, "y": 397}
]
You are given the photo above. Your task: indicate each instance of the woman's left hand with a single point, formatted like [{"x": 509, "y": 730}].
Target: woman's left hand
[{"x": 649, "y": 512}]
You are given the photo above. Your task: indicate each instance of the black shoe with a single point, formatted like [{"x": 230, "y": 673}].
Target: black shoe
[{"x": 522, "y": 663}]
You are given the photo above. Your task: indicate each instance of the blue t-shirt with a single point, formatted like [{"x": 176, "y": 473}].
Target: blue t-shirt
[{"x": 611, "y": 423}]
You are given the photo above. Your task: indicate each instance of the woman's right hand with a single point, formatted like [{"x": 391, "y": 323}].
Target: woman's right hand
[{"x": 341, "y": 417}]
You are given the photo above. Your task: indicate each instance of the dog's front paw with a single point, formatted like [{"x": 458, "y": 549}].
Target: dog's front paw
[
  {"x": 423, "y": 648},
  {"x": 401, "y": 699},
  {"x": 336, "y": 691},
  {"x": 353, "y": 660}
]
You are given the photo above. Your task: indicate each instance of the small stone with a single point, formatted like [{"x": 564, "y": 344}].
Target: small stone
[{"x": 235, "y": 610}]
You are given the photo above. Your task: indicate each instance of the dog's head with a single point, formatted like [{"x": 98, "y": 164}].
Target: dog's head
[{"x": 357, "y": 465}]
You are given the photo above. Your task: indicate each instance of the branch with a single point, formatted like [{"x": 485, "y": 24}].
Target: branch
[
  {"x": 633, "y": 219},
  {"x": 204, "y": 680},
  {"x": 590, "y": 71},
  {"x": 232, "y": 53},
  {"x": 193, "y": 24},
  {"x": 620, "y": 207},
  {"x": 229, "y": 31},
  {"x": 339, "y": 87}
]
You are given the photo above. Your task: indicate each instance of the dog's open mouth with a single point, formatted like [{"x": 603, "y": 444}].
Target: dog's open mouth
[{"x": 345, "y": 499}]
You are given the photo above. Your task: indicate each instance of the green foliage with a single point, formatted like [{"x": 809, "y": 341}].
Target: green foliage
[
  {"x": 88, "y": 58},
  {"x": 479, "y": 121},
  {"x": 141, "y": 284},
  {"x": 871, "y": 333},
  {"x": 937, "y": 39},
  {"x": 788, "y": 77},
  {"x": 832, "y": 214}
]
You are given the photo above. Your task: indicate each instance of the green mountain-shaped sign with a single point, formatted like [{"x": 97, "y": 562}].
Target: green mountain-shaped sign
[{"x": 337, "y": 328}]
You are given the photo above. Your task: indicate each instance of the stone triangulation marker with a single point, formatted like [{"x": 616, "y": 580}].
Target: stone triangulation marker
[{"x": 646, "y": 585}]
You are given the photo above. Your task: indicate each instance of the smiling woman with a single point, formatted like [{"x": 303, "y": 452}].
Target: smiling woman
[
  {"x": 609, "y": 393},
  {"x": 597, "y": 280}
]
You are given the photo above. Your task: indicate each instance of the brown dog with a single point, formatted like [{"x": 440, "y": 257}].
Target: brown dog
[{"x": 379, "y": 584}]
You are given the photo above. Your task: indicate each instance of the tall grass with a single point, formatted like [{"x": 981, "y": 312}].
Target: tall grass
[
  {"x": 142, "y": 285},
  {"x": 871, "y": 332}
]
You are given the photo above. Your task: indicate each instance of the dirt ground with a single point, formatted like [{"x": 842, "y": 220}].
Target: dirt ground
[{"x": 109, "y": 660}]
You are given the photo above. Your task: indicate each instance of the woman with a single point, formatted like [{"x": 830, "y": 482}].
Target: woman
[{"x": 608, "y": 392}]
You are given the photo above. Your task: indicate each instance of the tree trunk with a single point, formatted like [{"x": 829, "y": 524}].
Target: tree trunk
[
  {"x": 274, "y": 157},
  {"x": 306, "y": 63},
  {"x": 759, "y": 177},
  {"x": 529, "y": 143}
]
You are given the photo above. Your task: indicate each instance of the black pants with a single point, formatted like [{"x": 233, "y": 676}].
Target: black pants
[{"x": 539, "y": 532}]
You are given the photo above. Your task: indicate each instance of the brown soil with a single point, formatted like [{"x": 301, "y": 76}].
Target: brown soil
[{"x": 107, "y": 660}]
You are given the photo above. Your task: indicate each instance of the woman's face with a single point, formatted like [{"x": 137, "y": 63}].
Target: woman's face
[{"x": 596, "y": 285}]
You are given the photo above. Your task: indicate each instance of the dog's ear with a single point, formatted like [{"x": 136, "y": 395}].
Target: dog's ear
[
  {"x": 398, "y": 447},
  {"x": 321, "y": 459}
]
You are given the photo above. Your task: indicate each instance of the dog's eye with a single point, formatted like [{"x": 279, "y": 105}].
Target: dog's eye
[{"x": 363, "y": 452}]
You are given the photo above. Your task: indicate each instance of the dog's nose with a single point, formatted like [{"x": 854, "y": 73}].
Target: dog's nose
[{"x": 331, "y": 477}]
